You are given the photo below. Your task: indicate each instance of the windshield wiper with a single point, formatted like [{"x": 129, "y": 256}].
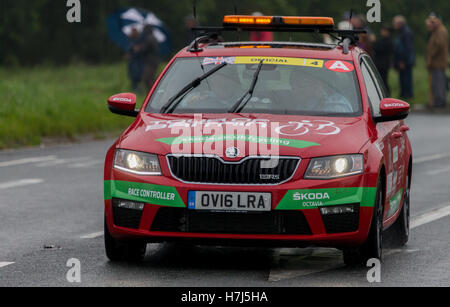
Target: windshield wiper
[
  {"x": 171, "y": 105},
  {"x": 237, "y": 107}
]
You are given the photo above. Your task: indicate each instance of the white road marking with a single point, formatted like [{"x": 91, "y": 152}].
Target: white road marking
[
  {"x": 291, "y": 263},
  {"x": 431, "y": 216},
  {"x": 52, "y": 163},
  {"x": 3, "y": 264},
  {"x": 93, "y": 235},
  {"x": 431, "y": 158},
  {"x": 27, "y": 161},
  {"x": 19, "y": 183},
  {"x": 438, "y": 171},
  {"x": 86, "y": 164},
  {"x": 389, "y": 252},
  {"x": 68, "y": 162}
]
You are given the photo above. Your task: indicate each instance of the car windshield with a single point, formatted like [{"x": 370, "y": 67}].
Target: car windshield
[{"x": 285, "y": 86}]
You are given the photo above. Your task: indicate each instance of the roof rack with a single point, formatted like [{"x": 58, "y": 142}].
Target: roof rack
[{"x": 320, "y": 25}]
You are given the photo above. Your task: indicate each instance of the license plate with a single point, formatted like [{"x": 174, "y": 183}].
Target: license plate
[{"x": 230, "y": 201}]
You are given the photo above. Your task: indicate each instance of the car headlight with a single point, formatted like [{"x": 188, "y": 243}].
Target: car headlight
[
  {"x": 138, "y": 163},
  {"x": 335, "y": 167}
]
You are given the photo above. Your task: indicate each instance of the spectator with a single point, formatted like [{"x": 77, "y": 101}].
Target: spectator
[
  {"x": 365, "y": 40},
  {"x": 383, "y": 53},
  {"x": 145, "y": 55},
  {"x": 135, "y": 61},
  {"x": 404, "y": 56},
  {"x": 260, "y": 36},
  {"x": 437, "y": 61},
  {"x": 190, "y": 22},
  {"x": 345, "y": 24}
]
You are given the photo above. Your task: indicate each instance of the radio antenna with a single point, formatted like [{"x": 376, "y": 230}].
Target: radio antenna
[
  {"x": 235, "y": 13},
  {"x": 351, "y": 11},
  {"x": 195, "y": 9}
]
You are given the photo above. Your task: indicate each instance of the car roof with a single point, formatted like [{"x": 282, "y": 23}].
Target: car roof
[{"x": 273, "y": 49}]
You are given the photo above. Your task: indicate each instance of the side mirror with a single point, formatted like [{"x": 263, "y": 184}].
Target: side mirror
[
  {"x": 392, "y": 109},
  {"x": 123, "y": 104}
]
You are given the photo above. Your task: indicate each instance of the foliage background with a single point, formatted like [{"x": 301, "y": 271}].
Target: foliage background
[{"x": 36, "y": 32}]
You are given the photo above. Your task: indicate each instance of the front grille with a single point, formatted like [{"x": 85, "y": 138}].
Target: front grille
[
  {"x": 216, "y": 171},
  {"x": 191, "y": 221},
  {"x": 340, "y": 223}
]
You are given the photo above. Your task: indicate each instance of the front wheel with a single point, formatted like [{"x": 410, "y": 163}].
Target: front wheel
[
  {"x": 123, "y": 250},
  {"x": 372, "y": 248}
]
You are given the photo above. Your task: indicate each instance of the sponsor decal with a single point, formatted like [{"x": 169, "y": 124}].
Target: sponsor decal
[
  {"x": 394, "y": 203},
  {"x": 392, "y": 105},
  {"x": 233, "y": 137},
  {"x": 122, "y": 99},
  {"x": 316, "y": 198},
  {"x": 218, "y": 60},
  {"x": 340, "y": 66},
  {"x": 319, "y": 127},
  {"x": 142, "y": 192}
]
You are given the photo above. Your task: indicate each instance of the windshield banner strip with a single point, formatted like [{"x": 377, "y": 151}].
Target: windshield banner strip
[
  {"x": 232, "y": 137},
  {"x": 280, "y": 61},
  {"x": 316, "y": 198},
  {"x": 142, "y": 192},
  {"x": 267, "y": 60}
]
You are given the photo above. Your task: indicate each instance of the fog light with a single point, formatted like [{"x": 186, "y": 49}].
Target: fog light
[
  {"x": 126, "y": 204},
  {"x": 337, "y": 210}
]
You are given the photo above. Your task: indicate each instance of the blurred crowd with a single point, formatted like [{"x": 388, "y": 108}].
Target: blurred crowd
[{"x": 394, "y": 48}]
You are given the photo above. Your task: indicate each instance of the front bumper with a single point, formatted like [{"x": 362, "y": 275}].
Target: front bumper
[{"x": 295, "y": 219}]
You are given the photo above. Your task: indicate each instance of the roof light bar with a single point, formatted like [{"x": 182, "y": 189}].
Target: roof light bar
[
  {"x": 309, "y": 21},
  {"x": 274, "y": 22},
  {"x": 247, "y": 20}
]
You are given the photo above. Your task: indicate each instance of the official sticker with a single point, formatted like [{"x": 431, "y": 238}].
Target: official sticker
[
  {"x": 340, "y": 66},
  {"x": 280, "y": 61}
]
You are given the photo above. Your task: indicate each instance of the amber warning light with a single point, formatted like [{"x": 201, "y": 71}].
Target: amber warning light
[{"x": 276, "y": 22}]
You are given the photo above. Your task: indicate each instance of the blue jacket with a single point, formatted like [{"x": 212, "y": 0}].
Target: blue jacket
[{"x": 404, "y": 50}]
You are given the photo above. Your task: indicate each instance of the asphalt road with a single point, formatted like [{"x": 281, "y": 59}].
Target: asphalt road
[{"x": 51, "y": 210}]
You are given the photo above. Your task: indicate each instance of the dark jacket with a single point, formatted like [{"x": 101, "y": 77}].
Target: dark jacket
[
  {"x": 383, "y": 53},
  {"x": 148, "y": 45},
  {"x": 404, "y": 50}
]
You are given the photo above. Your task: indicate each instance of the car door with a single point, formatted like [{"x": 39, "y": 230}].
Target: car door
[{"x": 389, "y": 135}]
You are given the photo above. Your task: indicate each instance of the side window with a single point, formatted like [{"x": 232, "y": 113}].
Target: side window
[
  {"x": 377, "y": 76},
  {"x": 372, "y": 91}
]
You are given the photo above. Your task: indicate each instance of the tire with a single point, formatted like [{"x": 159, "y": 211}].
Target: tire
[
  {"x": 372, "y": 248},
  {"x": 123, "y": 250},
  {"x": 399, "y": 232}
]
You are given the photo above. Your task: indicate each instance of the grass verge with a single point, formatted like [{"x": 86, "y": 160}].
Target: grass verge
[{"x": 59, "y": 102}]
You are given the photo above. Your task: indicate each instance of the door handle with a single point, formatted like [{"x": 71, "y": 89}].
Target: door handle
[
  {"x": 397, "y": 135},
  {"x": 404, "y": 128}
]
